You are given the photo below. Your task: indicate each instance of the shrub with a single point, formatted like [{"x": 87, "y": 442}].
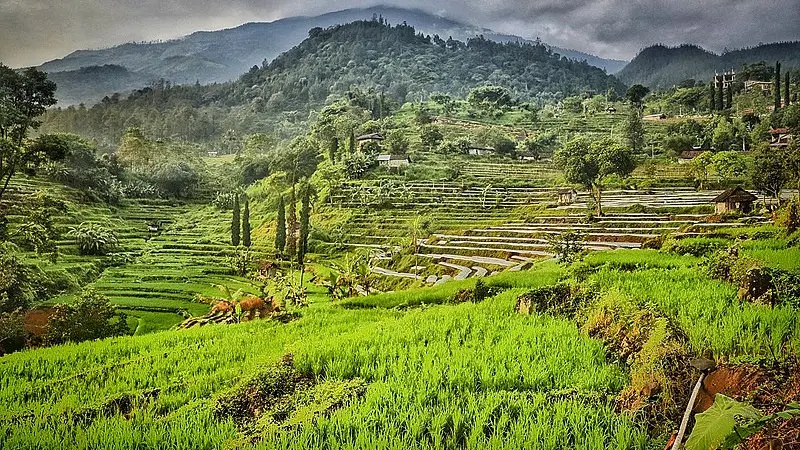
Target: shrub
[
  {"x": 16, "y": 283},
  {"x": 12, "y": 331},
  {"x": 566, "y": 246},
  {"x": 479, "y": 293},
  {"x": 700, "y": 246},
  {"x": 93, "y": 239},
  {"x": 224, "y": 200},
  {"x": 91, "y": 317},
  {"x": 560, "y": 299}
]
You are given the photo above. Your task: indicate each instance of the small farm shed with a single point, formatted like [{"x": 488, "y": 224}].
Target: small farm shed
[
  {"x": 393, "y": 161},
  {"x": 567, "y": 196},
  {"x": 480, "y": 151},
  {"x": 734, "y": 199},
  {"x": 372, "y": 137}
]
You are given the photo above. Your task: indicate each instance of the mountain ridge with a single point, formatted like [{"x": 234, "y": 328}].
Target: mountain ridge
[
  {"x": 210, "y": 56},
  {"x": 660, "y": 66}
]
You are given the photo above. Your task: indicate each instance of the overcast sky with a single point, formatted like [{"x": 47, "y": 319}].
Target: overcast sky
[{"x": 34, "y": 31}]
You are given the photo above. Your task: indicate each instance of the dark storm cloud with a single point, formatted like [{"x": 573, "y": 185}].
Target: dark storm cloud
[{"x": 32, "y": 31}]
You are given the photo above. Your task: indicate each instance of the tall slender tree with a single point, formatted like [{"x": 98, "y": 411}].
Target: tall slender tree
[
  {"x": 786, "y": 98},
  {"x": 291, "y": 226},
  {"x": 712, "y": 98},
  {"x": 720, "y": 93},
  {"x": 246, "y": 223},
  {"x": 305, "y": 211},
  {"x": 351, "y": 145},
  {"x": 777, "y": 85},
  {"x": 634, "y": 131},
  {"x": 280, "y": 233},
  {"x": 305, "y": 228},
  {"x": 729, "y": 97},
  {"x": 333, "y": 149},
  {"x": 235, "y": 224}
]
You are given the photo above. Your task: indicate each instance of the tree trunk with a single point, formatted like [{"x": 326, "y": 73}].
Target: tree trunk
[
  {"x": 5, "y": 184},
  {"x": 598, "y": 199}
]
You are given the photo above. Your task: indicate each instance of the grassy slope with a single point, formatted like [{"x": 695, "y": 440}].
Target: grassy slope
[{"x": 441, "y": 375}]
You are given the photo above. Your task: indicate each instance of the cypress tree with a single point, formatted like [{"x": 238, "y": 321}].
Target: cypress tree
[
  {"x": 351, "y": 146},
  {"x": 712, "y": 98},
  {"x": 246, "y": 223},
  {"x": 235, "y": 222},
  {"x": 280, "y": 234},
  {"x": 777, "y": 85},
  {"x": 333, "y": 149},
  {"x": 720, "y": 94},
  {"x": 291, "y": 226},
  {"x": 786, "y": 98},
  {"x": 305, "y": 211},
  {"x": 729, "y": 97}
]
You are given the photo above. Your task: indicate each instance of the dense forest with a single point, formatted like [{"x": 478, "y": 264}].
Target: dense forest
[
  {"x": 660, "y": 66},
  {"x": 396, "y": 62}
]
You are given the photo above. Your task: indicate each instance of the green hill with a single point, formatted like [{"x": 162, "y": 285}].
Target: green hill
[
  {"x": 660, "y": 66},
  {"x": 396, "y": 62}
]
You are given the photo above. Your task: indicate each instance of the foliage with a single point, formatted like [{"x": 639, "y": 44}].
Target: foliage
[
  {"x": 357, "y": 164},
  {"x": 12, "y": 331},
  {"x": 431, "y": 136},
  {"x": 588, "y": 163},
  {"x": 700, "y": 167},
  {"x": 713, "y": 426},
  {"x": 636, "y": 93},
  {"x": 769, "y": 174},
  {"x": 236, "y": 227},
  {"x": 90, "y": 317},
  {"x": 283, "y": 91},
  {"x": 305, "y": 226},
  {"x": 16, "y": 283},
  {"x": 93, "y": 238},
  {"x": 729, "y": 164},
  {"x": 246, "y": 223},
  {"x": 634, "y": 131},
  {"x": 280, "y": 233},
  {"x": 224, "y": 200},
  {"x": 490, "y": 97},
  {"x": 566, "y": 246}
]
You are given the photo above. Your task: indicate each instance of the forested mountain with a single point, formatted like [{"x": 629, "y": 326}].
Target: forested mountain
[
  {"x": 218, "y": 56},
  {"x": 660, "y": 66},
  {"x": 394, "y": 63}
]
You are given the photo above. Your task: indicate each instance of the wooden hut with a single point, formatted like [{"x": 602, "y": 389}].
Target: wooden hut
[{"x": 734, "y": 199}]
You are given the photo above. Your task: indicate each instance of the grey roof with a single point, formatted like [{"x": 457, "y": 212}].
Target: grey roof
[{"x": 735, "y": 194}]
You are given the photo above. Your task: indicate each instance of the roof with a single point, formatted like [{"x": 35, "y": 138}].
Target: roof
[
  {"x": 488, "y": 149},
  {"x": 370, "y": 137},
  {"x": 735, "y": 194},
  {"x": 567, "y": 191},
  {"x": 778, "y": 130},
  {"x": 392, "y": 158},
  {"x": 691, "y": 154}
]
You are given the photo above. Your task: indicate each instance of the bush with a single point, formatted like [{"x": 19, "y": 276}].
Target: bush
[
  {"x": 479, "y": 293},
  {"x": 91, "y": 317},
  {"x": 224, "y": 200},
  {"x": 560, "y": 299},
  {"x": 16, "y": 283},
  {"x": 12, "y": 331},
  {"x": 93, "y": 239},
  {"x": 700, "y": 246}
]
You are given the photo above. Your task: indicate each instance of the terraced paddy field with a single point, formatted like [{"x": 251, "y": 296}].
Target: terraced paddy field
[
  {"x": 369, "y": 372},
  {"x": 170, "y": 254}
]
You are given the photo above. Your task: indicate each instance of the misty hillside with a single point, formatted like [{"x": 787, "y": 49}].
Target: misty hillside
[
  {"x": 394, "y": 61},
  {"x": 660, "y": 66},
  {"x": 218, "y": 56}
]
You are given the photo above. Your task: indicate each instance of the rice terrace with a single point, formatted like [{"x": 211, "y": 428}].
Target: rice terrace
[{"x": 381, "y": 228}]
